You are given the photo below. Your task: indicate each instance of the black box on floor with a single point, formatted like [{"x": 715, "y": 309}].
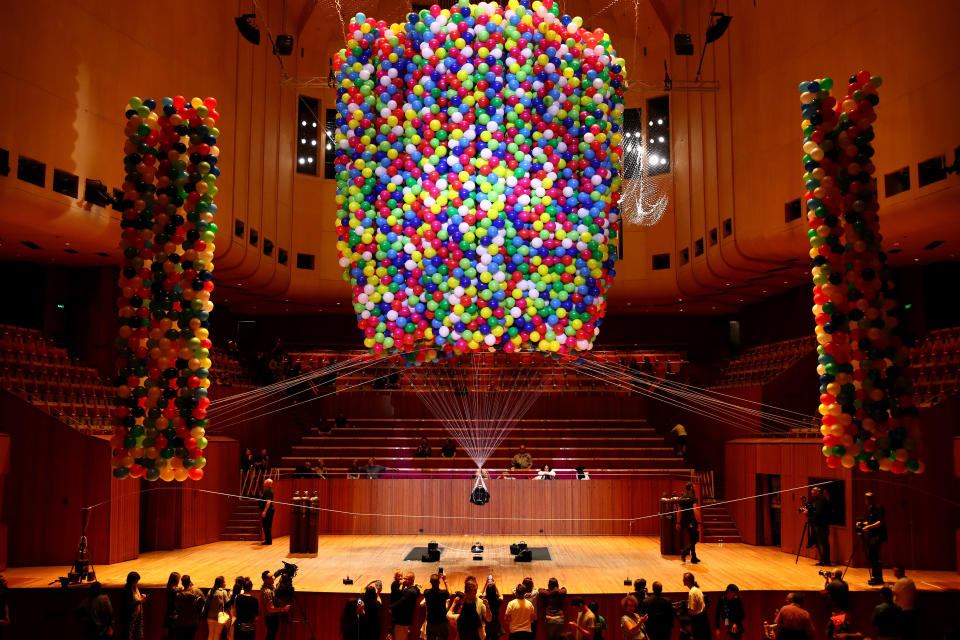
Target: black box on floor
[{"x": 523, "y": 556}]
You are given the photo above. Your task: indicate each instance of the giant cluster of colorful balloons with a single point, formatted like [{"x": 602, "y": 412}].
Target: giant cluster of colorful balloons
[
  {"x": 170, "y": 162},
  {"x": 869, "y": 418},
  {"x": 478, "y": 172}
]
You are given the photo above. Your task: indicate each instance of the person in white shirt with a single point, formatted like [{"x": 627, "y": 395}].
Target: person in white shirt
[
  {"x": 696, "y": 608},
  {"x": 905, "y": 596},
  {"x": 520, "y": 615},
  {"x": 547, "y": 473},
  {"x": 585, "y": 622}
]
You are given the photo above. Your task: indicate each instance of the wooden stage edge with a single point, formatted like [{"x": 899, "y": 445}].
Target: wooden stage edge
[{"x": 584, "y": 564}]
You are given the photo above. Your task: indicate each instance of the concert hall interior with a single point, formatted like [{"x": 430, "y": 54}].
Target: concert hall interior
[{"x": 527, "y": 299}]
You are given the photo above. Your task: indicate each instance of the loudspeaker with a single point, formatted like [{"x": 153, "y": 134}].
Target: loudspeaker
[
  {"x": 683, "y": 44},
  {"x": 478, "y": 558},
  {"x": 432, "y": 546},
  {"x": 517, "y": 547},
  {"x": 432, "y": 555},
  {"x": 525, "y": 555}
]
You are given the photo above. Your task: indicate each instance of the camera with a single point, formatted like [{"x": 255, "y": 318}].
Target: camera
[
  {"x": 859, "y": 525},
  {"x": 285, "y": 575},
  {"x": 825, "y": 574}
]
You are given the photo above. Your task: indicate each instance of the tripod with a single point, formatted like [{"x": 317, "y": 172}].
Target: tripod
[
  {"x": 856, "y": 546},
  {"x": 808, "y": 532},
  {"x": 82, "y": 569},
  {"x": 303, "y": 616}
]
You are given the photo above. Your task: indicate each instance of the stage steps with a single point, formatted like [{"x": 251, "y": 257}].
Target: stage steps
[
  {"x": 244, "y": 524},
  {"x": 717, "y": 524}
]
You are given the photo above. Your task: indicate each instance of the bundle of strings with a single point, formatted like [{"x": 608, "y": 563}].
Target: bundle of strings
[
  {"x": 358, "y": 370},
  {"x": 641, "y": 202},
  {"x": 748, "y": 415},
  {"x": 479, "y": 397}
]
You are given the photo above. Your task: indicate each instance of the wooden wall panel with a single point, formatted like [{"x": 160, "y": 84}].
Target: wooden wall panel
[
  {"x": 55, "y": 472},
  {"x": 561, "y": 507},
  {"x": 178, "y": 515}
]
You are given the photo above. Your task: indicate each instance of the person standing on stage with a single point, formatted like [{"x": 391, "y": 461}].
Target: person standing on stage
[
  {"x": 660, "y": 614},
  {"x": 696, "y": 608},
  {"x": 820, "y": 523},
  {"x": 687, "y": 521},
  {"x": 874, "y": 531},
  {"x": 266, "y": 511}
]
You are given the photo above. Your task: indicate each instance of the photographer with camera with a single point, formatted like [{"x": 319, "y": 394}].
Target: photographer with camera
[
  {"x": 873, "y": 528},
  {"x": 819, "y": 519},
  {"x": 271, "y": 611},
  {"x": 435, "y": 601}
]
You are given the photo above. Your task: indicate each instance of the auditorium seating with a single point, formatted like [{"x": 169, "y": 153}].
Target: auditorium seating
[
  {"x": 46, "y": 376},
  {"x": 935, "y": 362},
  {"x": 227, "y": 370},
  {"x": 603, "y": 446},
  {"x": 759, "y": 365}
]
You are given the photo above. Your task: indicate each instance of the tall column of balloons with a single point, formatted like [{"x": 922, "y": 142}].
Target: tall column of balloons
[
  {"x": 170, "y": 161},
  {"x": 868, "y": 414},
  {"x": 478, "y": 178}
]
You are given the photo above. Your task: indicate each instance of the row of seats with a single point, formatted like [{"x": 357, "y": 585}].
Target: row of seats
[
  {"x": 934, "y": 362},
  {"x": 227, "y": 370},
  {"x": 759, "y": 365}
]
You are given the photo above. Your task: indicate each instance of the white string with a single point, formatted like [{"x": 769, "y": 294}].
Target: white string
[{"x": 516, "y": 517}]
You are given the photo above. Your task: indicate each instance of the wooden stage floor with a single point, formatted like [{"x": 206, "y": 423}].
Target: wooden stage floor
[{"x": 594, "y": 564}]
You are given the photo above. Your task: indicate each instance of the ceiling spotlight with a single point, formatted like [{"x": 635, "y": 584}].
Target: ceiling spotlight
[
  {"x": 247, "y": 29},
  {"x": 718, "y": 28}
]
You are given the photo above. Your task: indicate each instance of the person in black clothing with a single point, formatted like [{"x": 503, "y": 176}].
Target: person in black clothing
[
  {"x": 688, "y": 522},
  {"x": 424, "y": 450},
  {"x": 131, "y": 608},
  {"x": 820, "y": 513},
  {"x": 370, "y": 604},
  {"x": 247, "y": 609},
  {"x": 640, "y": 593},
  {"x": 449, "y": 449},
  {"x": 435, "y": 600},
  {"x": 266, "y": 511},
  {"x": 874, "y": 531},
  {"x": 96, "y": 614},
  {"x": 886, "y": 616},
  {"x": 837, "y": 590},
  {"x": 659, "y": 614},
  {"x": 350, "y": 619},
  {"x": 340, "y": 422},
  {"x": 402, "y": 608},
  {"x": 170, "y": 613},
  {"x": 246, "y": 460},
  {"x": 730, "y": 615},
  {"x": 493, "y": 628}
]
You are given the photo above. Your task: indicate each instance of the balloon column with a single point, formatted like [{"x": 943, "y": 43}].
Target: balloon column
[
  {"x": 170, "y": 162},
  {"x": 868, "y": 414},
  {"x": 478, "y": 172}
]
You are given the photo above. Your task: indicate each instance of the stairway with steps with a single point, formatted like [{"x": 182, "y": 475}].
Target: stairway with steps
[
  {"x": 244, "y": 524},
  {"x": 717, "y": 524}
]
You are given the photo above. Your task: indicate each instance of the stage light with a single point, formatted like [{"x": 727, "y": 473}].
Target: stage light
[
  {"x": 96, "y": 193},
  {"x": 247, "y": 29},
  {"x": 718, "y": 28},
  {"x": 284, "y": 45},
  {"x": 683, "y": 44}
]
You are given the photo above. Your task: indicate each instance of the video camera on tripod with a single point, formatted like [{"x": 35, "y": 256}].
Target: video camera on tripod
[{"x": 284, "y": 577}]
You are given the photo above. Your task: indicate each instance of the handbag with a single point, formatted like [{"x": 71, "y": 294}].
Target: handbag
[{"x": 223, "y": 618}]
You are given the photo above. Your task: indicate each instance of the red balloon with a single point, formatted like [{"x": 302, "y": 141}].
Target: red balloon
[{"x": 193, "y": 472}]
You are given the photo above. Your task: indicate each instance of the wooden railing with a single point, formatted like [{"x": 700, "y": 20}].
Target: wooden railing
[{"x": 251, "y": 480}]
